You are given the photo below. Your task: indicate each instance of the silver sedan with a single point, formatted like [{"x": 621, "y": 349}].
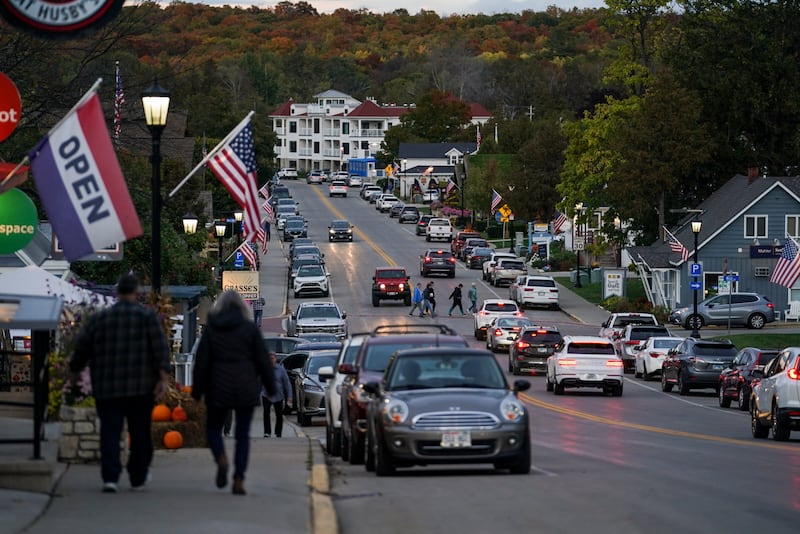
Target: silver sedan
[{"x": 503, "y": 331}]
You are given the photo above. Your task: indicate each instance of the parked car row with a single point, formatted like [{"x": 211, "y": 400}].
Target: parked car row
[{"x": 405, "y": 395}]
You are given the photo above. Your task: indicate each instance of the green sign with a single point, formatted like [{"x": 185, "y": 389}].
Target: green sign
[{"x": 18, "y": 221}]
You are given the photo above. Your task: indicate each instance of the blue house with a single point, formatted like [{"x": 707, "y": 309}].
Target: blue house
[{"x": 744, "y": 225}]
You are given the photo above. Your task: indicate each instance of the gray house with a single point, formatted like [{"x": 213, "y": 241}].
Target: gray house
[{"x": 744, "y": 226}]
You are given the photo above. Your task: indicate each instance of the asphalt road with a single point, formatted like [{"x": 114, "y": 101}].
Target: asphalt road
[{"x": 646, "y": 462}]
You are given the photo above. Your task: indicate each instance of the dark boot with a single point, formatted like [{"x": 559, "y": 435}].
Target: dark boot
[
  {"x": 238, "y": 485},
  {"x": 222, "y": 471}
]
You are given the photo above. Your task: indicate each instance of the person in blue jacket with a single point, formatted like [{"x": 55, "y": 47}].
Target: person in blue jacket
[
  {"x": 283, "y": 393},
  {"x": 416, "y": 299}
]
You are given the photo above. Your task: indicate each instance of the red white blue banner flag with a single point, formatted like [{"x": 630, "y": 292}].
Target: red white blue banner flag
[{"x": 80, "y": 182}]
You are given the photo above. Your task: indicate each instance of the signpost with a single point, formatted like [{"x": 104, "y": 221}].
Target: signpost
[{"x": 10, "y": 107}]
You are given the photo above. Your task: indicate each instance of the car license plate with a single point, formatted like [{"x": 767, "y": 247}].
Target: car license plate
[
  {"x": 590, "y": 376},
  {"x": 391, "y": 292},
  {"x": 542, "y": 349},
  {"x": 452, "y": 439},
  {"x": 541, "y": 293},
  {"x": 716, "y": 366}
]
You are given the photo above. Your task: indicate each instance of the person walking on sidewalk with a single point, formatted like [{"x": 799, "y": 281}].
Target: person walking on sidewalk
[
  {"x": 128, "y": 357},
  {"x": 283, "y": 393},
  {"x": 416, "y": 300},
  {"x": 231, "y": 358},
  {"x": 473, "y": 298},
  {"x": 455, "y": 296},
  {"x": 258, "y": 310}
]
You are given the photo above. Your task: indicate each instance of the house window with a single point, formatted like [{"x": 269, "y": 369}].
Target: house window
[
  {"x": 316, "y": 147},
  {"x": 292, "y": 126},
  {"x": 755, "y": 226},
  {"x": 345, "y": 128},
  {"x": 793, "y": 225},
  {"x": 292, "y": 146}
]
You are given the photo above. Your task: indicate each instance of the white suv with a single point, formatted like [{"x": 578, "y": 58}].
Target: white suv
[
  {"x": 775, "y": 400},
  {"x": 585, "y": 362},
  {"x": 439, "y": 229},
  {"x": 489, "y": 264},
  {"x": 491, "y": 309},
  {"x": 333, "y": 399}
]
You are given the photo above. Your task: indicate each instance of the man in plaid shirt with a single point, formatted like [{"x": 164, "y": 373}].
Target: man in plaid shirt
[{"x": 128, "y": 356}]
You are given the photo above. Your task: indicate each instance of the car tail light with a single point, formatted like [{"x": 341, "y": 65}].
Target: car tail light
[
  {"x": 614, "y": 363},
  {"x": 655, "y": 354},
  {"x": 541, "y": 331},
  {"x": 519, "y": 314},
  {"x": 498, "y": 332},
  {"x": 451, "y": 260},
  {"x": 770, "y": 305},
  {"x": 523, "y": 344},
  {"x": 482, "y": 313},
  {"x": 631, "y": 342},
  {"x": 427, "y": 259},
  {"x": 794, "y": 374},
  {"x": 567, "y": 363}
]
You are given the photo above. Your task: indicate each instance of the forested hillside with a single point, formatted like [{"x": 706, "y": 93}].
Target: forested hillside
[{"x": 643, "y": 104}]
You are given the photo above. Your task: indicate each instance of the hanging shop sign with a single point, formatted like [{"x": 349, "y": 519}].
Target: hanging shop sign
[{"x": 63, "y": 18}]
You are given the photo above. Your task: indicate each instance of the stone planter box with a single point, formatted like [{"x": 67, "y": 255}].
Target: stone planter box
[{"x": 79, "y": 441}]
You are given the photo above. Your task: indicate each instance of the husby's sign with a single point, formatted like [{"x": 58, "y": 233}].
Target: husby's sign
[
  {"x": 59, "y": 18},
  {"x": 10, "y": 107}
]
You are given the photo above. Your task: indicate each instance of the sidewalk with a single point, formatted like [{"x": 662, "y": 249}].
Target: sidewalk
[
  {"x": 577, "y": 307},
  {"x": 182, "y": 496}
]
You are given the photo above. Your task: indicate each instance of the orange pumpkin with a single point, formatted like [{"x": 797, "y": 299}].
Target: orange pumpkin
[
  {"x": 173, "y": 439},
  {"x": 161, "y": 412},
  {"x": 179, "y": 414},
  {"x": 187, "y": 390}
]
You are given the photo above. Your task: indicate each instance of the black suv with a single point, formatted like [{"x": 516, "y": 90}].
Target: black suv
[
  {"x": 736, "y": 382},
  {"x": 369, "y": 366},
  {"x": 422, "y": 224},
  {"x": 696, "y": 364},
  {"x": 436, "y": 260},
  {"x": 408, "y": 214},
  {"x": 529, "y": 352}
]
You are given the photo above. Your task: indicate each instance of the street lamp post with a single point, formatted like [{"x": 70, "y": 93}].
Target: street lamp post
[
  {"x": 696, "y": 226},
  {"x": 219, "y": 229},
  {"x": 238, "y": 215},
  {"x": 155, "y": 101},
  {"x": 405, "y": 179},
  {"x": 190, "y": 223},
  {"x": 578, "y": 213}
]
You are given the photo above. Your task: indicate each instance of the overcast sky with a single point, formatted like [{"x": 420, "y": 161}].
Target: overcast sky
[{"x": 443, "y": 7}]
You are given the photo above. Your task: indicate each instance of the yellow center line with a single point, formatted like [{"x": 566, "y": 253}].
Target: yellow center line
[
  {"x": 362, "y": 235},
  {"x": 654, "y": 429}
]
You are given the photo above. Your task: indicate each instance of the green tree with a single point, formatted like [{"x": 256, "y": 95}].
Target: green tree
[{"x": 437, "y": 117}]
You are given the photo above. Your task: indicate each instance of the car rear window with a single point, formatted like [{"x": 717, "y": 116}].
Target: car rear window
[
  {"x": 542, "y": 336},
  {"x": 440, "y": 253},
  {"x": 377, "y": 355},
  {"x": 639, "y": 319},
  {"x": 708, "y": 349},
  {"x": 639, "y": 334},
  {"x": 506, "y": 307},
  {"x": 666, "y": 343},
  {"x": 516, "y": 265},
  {"x": 583, "y": 347},
  {"x": 538, "y": 282}
]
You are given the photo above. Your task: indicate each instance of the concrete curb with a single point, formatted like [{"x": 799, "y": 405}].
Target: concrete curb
[{"x": 323, "y": 513}]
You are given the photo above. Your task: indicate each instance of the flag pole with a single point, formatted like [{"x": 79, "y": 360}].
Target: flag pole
[
  {"x": 14, "y": 171},
  {"x": 235, "y": 251},
  {"x": 222, "y": 143}
]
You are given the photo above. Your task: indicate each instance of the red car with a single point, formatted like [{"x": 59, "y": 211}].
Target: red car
[{"x": 735, "y": 382}]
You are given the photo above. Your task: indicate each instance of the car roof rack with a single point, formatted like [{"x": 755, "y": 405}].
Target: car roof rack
[{"x": 413, "y": 329}]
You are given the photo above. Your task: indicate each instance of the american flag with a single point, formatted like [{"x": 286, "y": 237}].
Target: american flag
[
  {"x": 558, "y": 222},
  {"x": 787, "y": 270},
  {"x": 264, "y": 191},
  {"x": 496, "y": 200},
  {"x": 677, "y": 246},
  {"x": 119, "y": 100},
  {"x": 451, "y": 184},
  {"x": 235, "y": 166},
  {"x": 268, "y": 208},
  {"x": 249, "y": 252}
]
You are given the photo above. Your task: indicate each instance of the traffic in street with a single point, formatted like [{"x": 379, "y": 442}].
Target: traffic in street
[{"x": 644, "y": 461}]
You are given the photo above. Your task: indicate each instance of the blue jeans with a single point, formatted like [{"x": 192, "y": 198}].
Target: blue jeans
[
  {"x": 138, "y": 412},
  {"x": 215, "y": 419}
]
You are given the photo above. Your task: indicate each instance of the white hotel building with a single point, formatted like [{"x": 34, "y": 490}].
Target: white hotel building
[{"x": 336, "y": 128}]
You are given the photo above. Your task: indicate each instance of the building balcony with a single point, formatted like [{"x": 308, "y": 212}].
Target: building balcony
[
  {"x": 306, "y": 132},
  {"x": 370, "y": 133},
  {"x": 330, "y": 132}
]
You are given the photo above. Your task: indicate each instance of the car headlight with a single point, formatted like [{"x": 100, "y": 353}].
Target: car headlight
[
  {"x": 511, "y": 410},
  {"x": 310, "y": 386},
  {"x": 331, "y": 231},
  {"x": 395, "y": 411}
]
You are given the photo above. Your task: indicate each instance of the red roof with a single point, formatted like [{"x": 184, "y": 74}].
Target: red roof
[
  {"x": 285, "y": 109},
  {"x": 478, "y": 111},
  {"x": 369, "y": 108}
]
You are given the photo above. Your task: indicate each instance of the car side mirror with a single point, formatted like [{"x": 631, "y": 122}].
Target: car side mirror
[
  {"x": 521, "y": 385},
  {"x": 344, "y": 315},
  {"x": 757, "y": 373},
  {"x": 372, "y": 387},
  {"x": 326, "y": 372}
]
